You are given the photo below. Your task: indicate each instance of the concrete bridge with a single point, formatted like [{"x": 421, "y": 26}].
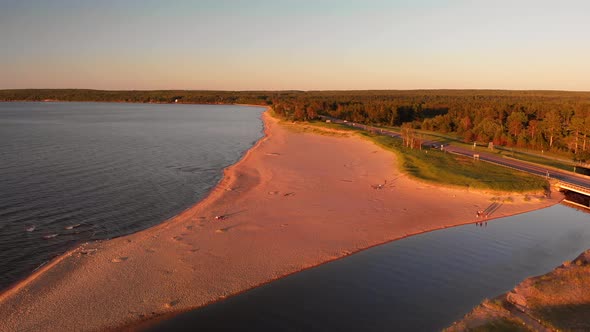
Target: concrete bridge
[
  {"x": 562, "y": 185},
  {"x": 576, "y": 188}
]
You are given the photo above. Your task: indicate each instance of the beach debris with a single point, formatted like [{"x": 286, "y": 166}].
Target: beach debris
[
  {"x": 119, "y": 259},
  {"x": 273, "y": 192},
  {"x": 387, "y": 183},
  {"x": 289, "y": 194},
  {"x": 30, "y": 228},
  {"x": 273, "y": 154},
  {"x": 88, "y": 251},
  {"x": 228, "y": 215},
  {"x": 379, "y": 186},
  {"x": 50, "y": 236},
  {"x": 517, "y": 299},
  {"x": 172, "y": 303},
  {"x": 344, "y": 180},
  {"x": 40, "y": 266},
  {"x": 72, "y": 226}
]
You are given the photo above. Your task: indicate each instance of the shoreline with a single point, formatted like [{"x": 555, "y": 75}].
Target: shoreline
[
  {"x": 138, "y": 326},
  {"x": 16, "y": 286},
  {"x": 11, "y": 288},
  {"x": 532, "y": 303},
  {"x": 68, "y": 264}
]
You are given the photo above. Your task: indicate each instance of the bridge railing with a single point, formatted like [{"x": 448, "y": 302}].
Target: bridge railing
[{"x": 575, "y": 187}]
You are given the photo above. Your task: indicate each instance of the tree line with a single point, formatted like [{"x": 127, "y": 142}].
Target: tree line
[{"x": 541, "y": 120}]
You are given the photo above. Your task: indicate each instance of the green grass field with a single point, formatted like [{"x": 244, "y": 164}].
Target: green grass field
[
  {"x": 443, "y": 168},
  {"x": 549, "y": 159}
]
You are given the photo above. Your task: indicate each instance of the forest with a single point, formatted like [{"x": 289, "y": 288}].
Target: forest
[{"x": 557, "y": 121}]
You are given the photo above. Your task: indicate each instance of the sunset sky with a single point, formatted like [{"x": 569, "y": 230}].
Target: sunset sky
[{"x": 305, "y": 45}]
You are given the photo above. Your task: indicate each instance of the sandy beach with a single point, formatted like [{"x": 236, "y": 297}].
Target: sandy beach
[{"x": 296, "y": 200}]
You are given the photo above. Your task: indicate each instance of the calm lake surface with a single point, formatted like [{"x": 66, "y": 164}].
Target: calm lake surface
[
  {"x": 73, "y": 172},
  {"x": 420, "y": 283}
]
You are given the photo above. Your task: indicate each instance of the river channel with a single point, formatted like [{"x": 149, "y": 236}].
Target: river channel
[{"x": 420, "y": 283}]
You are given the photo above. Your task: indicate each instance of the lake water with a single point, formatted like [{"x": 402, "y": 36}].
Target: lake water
[
  {"x": 420, "y": 283},
  {"x": 73, "y": 172}
]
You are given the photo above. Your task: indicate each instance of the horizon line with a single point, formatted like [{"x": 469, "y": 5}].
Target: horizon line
[{"x": 300, "y": 90}]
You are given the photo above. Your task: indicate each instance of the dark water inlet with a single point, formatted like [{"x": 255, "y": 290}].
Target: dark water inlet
[
  {"x": 420, "y": 283},
  {"x": 577, "y": 198},
  {"x": 108, "y": 169}
]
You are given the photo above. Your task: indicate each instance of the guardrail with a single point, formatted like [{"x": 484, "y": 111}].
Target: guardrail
[{"x": 574, "y": 187}]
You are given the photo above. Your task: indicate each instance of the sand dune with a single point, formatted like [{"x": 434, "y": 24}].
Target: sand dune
[{"x": 294, "y": 201}]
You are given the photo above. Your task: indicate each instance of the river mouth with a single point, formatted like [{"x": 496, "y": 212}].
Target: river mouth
[{"x": 419, "y": 283}]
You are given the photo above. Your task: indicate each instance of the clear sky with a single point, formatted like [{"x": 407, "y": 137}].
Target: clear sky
[{"x": 299, "y": 44}]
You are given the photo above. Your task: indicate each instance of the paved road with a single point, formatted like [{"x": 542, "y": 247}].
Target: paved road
[{"x": 536, "y": 169}]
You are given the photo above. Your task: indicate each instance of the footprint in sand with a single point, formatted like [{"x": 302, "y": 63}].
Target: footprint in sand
[{"x": 119, "y": 259}]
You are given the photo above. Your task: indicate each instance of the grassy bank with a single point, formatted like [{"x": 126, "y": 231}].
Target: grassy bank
[
  {"x": 548, "y": 159},
  {"x": 439, "y": 167},
  {"x": 558, "y": 300}
]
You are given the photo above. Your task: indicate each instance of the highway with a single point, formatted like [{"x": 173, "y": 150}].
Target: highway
[{"x": 570, "y": 177}]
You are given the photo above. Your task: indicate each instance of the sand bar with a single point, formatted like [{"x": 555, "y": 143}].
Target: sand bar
[{"x": 294, "y": 201}]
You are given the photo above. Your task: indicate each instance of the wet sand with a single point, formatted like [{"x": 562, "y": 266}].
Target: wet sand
[{"x": 294, "y": 201}]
